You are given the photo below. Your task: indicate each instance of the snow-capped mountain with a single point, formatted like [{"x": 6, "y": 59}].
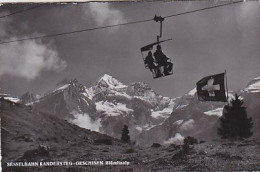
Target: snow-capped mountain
[
  {"x": 10, "y": 98},
  {"x": 67, "y": 101},
  {"x": 109, "y": 104},
  {"x": 106, "y": 83},
  {"x": 251, "y": 98},
  {"x": 191, "y": 117},
  {"x": 253, "y": 86},
  {"x": 135, "y": 105}
]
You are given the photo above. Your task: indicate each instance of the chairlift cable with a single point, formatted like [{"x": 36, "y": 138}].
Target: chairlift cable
[
  {"x": 21, "y": 11},
  {"x": 115, "y": 25},
  {"x": 77, "y": 31}
]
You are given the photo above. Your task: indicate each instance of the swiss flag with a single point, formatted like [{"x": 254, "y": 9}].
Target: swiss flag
[{"x": 212, "y": 88}]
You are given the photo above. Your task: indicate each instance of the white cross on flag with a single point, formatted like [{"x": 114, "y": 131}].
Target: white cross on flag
[{"x": 212, "y": 88}]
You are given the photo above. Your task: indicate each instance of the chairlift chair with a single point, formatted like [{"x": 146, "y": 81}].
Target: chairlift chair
[{"x": 149, "y": 47}]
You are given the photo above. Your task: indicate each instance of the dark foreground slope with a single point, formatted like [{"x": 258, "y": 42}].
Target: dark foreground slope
[{"x": 30, "y": 136}]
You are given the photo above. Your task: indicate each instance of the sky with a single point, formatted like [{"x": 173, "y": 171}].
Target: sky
[{"x": 204, "y": 43}]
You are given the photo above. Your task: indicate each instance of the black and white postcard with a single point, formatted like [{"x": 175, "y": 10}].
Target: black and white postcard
[{"x": 130, "y": 86}]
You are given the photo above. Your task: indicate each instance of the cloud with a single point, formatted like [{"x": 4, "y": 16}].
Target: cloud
[
  {"x": 103, "y": 14},
  {"x": 84, "y": 121},
  {"x": 26, "y": 59},
  {"x": 29, "y": 59},
  {"x": 177, "y": 139},
  {"x": 187, "y": 125}
]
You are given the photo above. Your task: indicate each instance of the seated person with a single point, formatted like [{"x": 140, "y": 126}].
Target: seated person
[
  {"x": 149, "y": 60},
  {"x": 162, "y": 60}
]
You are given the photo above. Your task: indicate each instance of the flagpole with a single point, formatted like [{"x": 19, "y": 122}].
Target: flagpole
[{"x": 226, "y": 83}]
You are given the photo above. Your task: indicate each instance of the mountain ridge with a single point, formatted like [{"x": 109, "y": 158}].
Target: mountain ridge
[{"x": 142, "y": 109}]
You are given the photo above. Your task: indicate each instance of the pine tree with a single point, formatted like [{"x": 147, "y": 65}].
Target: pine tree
[
  {"x": 234, "y": 121},
  {"x": 125, "y": 135}
]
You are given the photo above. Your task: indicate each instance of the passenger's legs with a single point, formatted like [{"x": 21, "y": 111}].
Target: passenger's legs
[
  {"x": 169, "y": 68},
  {"x": 158, "y": 71}
]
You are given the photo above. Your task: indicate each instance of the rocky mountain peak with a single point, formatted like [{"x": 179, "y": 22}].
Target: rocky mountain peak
[
  {"x": 192, "y": 92},
  {"x": 253, "y": 86},
  {"x": 108, "y": 81},
  {"x": 73, "y": 81},
  {"x": 139, "y": 89},
  {"x": 72, "y": 84},
  {"x": 29, "y": 97}
]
